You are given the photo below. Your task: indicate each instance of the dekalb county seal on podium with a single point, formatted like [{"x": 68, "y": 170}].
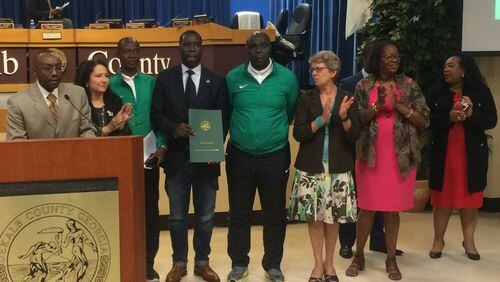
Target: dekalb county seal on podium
[
  {"x": 54, "y": 231},
  {"x": 207, "y": 145}
]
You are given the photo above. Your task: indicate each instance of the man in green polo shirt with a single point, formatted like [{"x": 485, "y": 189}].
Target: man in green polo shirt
[
  {"x": 136, "y": 88},
  {"x": 262, "y": 97}
]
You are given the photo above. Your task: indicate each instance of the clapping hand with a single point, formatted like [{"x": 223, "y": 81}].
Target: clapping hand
[
  {"x": 345, "y": 106},
  {"x": 381, "y": 93},
  {"x": 457, "y": 116},
  {"x": 461, "y": 110},
  {"x": 327, "y": 113},
  {"x": 121, "y": 118},
  {"x": 394, "y": 98},
  {"x": 467, "y": 101},
  {"x": 126, "y": 111}
]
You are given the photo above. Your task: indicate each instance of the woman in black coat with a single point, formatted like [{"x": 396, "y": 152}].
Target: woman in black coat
[{"x": 462, "y": 108}]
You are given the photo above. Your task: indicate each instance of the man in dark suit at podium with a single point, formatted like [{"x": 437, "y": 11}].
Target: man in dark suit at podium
[
  {"x": 347, "y": 231},
  {"x": 43, "y": 111},
  {"x": 42, "y": 10},
  {"x": 189, "y": 85}
]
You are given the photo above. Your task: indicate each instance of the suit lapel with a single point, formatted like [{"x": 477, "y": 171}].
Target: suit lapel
[
  {"x": 178, "y": 85},
  {"x": 179, "y": 98},
  {"x": 40, "y": 105},
  {"x": 316, "y": 102},
  {"x": 337, "y": 101},
  {"x": 204, "y": 87}
]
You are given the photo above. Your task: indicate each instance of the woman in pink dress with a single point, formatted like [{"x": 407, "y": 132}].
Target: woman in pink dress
[
  {"x": 462, "y": 108},
  {"x": 392, "y": 109}
]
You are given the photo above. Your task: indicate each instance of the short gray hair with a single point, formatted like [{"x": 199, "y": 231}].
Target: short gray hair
[{"x": 329, "y": 58}]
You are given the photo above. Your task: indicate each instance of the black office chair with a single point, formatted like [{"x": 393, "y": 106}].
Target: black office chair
[
  {"x": 282, "y": 22},
  {"x": 294, "y": 45}
]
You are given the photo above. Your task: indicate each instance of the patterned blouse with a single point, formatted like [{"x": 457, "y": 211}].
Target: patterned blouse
[{"x": 405, "y": 133}]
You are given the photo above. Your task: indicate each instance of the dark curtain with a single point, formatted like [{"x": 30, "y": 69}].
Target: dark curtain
[
  {"x": 12, "y": 9},
  {"x": 327, "y": 25},
  {"x": 83, "y": 12},
  {"x": 327, "y": 33}
]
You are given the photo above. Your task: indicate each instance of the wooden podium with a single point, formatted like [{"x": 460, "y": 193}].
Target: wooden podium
[{"x": 119, "y": 158}]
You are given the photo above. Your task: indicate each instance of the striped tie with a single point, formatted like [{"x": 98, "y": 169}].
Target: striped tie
[{"x": 53, "y": 105}]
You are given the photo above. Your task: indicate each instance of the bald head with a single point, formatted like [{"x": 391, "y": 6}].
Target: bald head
[
  {"x": 48, "y": 69},
  {"x": 45, "y": 55}
]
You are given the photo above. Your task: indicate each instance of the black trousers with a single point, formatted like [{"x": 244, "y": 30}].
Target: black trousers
[
  {"x": 151, "y": 196},
  {"x": 267, "y": 174},
  {"x": 347, "y": 233}
]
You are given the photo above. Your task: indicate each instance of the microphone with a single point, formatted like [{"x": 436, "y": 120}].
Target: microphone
[{"x": 99, "y": 130}]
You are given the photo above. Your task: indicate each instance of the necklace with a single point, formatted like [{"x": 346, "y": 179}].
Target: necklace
[{"x": 101, "y": 112}]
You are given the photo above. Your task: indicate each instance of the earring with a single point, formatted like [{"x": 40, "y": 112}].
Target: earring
[{"x": 463, "y": 75}]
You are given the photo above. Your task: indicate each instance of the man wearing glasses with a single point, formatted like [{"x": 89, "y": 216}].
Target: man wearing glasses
[{"x": 44, "y": 110}]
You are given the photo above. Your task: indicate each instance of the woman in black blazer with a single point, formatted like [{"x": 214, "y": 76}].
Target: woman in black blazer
[
  {"x": 107, "y": 111},
  {"x": 462, "y": 108},
  {"x": 326, "y": 125}
]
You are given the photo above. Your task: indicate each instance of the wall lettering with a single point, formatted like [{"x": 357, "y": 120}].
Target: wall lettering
[
  {"x": 151, "y": 66},
  {"x": 8, "y": 63}
]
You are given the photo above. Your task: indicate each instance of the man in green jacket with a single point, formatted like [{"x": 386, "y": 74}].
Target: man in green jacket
[
  {"x": 262, "y": 97},
  {"x": 136, "y": 88}
]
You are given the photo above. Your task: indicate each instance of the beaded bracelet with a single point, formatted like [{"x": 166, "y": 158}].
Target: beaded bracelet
[{"x": 319, "y": 122}]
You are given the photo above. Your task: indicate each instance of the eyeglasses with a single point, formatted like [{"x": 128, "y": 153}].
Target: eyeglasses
[
  {"x": 48, "y": 68},
  {"x": 317, "y": 69},
  {"x": 390, "y": 58}
]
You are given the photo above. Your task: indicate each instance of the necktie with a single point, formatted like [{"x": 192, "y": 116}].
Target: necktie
[
  {"x": 190, "y": 88},
  {"x": 53, "y": 105}
]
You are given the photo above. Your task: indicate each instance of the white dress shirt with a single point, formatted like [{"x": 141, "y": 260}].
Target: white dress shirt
[{"x": 195, "y": 77}]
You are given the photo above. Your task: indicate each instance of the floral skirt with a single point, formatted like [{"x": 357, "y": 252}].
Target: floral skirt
[{"x": 323, "y": 197}]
